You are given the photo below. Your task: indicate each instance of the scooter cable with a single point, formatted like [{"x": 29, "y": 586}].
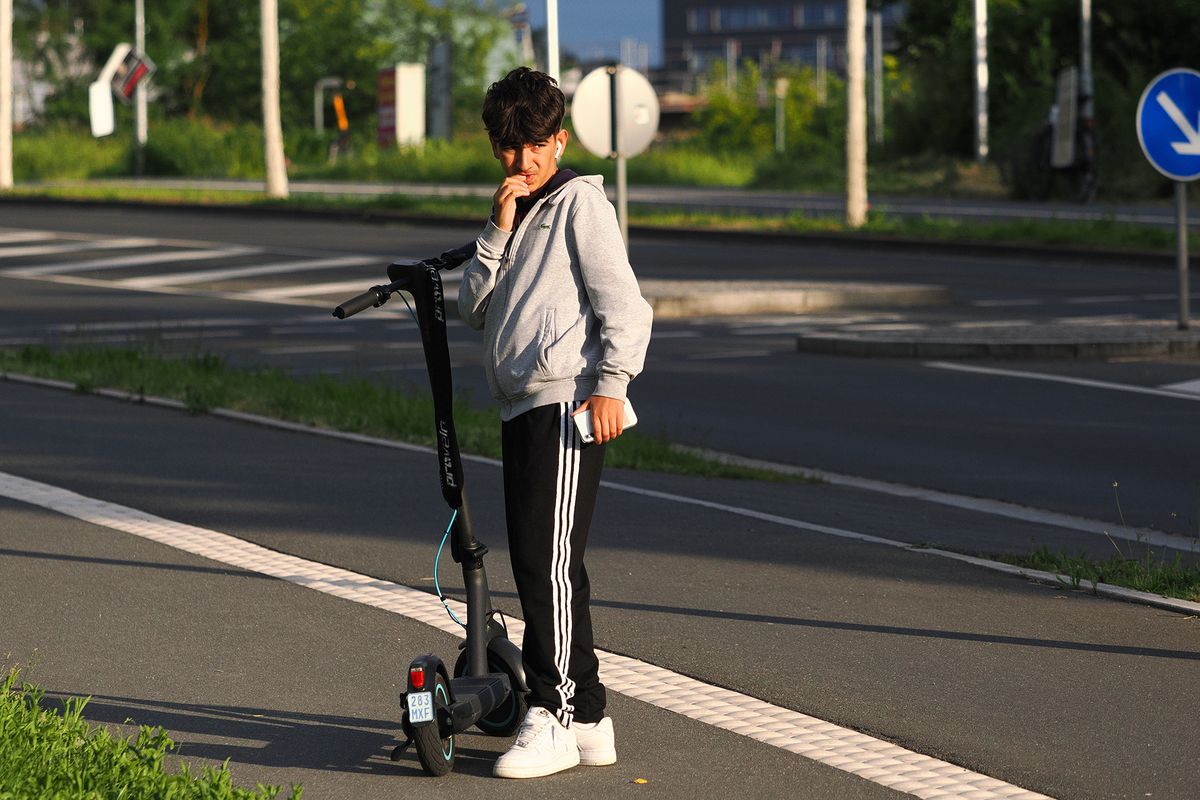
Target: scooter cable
[{"x": 436, "y": 560}]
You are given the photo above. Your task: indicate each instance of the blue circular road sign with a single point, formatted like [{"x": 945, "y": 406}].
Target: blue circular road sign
[{"x": 1168, "y": 124}]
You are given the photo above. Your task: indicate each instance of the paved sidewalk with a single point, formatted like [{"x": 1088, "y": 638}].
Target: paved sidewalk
[{"x": 1010, "y": 679}]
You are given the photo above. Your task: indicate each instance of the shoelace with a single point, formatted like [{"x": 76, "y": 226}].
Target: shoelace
[{"x": 531, "y": 727}]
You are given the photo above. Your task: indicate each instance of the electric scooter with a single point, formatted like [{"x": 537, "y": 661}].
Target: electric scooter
[{"x": 488, "y": 687}]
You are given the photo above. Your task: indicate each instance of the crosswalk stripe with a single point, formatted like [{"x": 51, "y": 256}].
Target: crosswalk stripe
[
  {"x": 1191, "y": 387},
  {"x": 201, "y": 276},
  {"x": 75, "y": 247},
  {"x": 129, "y": 261},
  {"x": 24, "y": 236},
  {"x": 334, "y": 287}
]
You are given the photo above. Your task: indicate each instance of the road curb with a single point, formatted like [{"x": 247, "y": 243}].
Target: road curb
[
  {"x": 1124, "y": 256},
  {"x": 862, "y": 346},
  {"x": 1100, "y": 589}
]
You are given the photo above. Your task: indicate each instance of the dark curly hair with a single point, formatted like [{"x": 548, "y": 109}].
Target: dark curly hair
[{"x": 523, "y": 107}]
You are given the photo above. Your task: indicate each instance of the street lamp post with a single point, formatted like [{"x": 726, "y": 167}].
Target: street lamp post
[
  {"x": 139, "y": 93},
  {"x": 6, "y": 98},
  {"x": 981, "y": 81},
  {"x": 276, "y": 178},
  {"x": 856, "y": 114},
  {"x": 552, "y": 40}
]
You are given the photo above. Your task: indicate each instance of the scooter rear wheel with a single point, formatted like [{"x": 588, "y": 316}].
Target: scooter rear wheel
[
  {"x": 507, "y": 717},
  {"x": 435, "y": 753}
]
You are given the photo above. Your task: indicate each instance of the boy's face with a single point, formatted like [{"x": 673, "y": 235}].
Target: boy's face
[{"x": 535, "y": 162}]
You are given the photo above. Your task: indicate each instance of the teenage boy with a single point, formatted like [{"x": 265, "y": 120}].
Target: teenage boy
[{"x": 565, "y": 330}]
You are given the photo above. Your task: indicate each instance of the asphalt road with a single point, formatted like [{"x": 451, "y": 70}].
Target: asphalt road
[
  {"x": 735, "y": 385},
  {"x": 1017, "y": 681}
]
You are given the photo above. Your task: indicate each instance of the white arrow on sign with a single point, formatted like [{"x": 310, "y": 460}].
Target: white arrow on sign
[{"x": 1192, "y": 146}]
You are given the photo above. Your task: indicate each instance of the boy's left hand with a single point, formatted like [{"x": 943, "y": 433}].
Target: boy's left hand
[{"x": 608, "y": 416}]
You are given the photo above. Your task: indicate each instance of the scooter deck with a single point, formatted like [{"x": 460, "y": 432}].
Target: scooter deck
[{"x": 475, "y": 698}]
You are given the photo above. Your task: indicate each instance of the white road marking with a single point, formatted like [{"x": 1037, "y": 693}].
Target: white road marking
[
  {"x": 676, "y": 334},
  {"x": 210, "y": 275},
  {"x": 1111, "y": 298},
  {"x": 979, "y": 505},
  {"x": 1041, "y": 376},
  {"x": 1190, "y": 387},
  {"x": 1025, "y": 301},
  {"x": 75, "y": 247},
  {"x": 993, "y": 323},
  {"x": 875, "y": 760},
  {"x": 730, "y": 354},
  {"x": 307, "y": 290},
  {"x": 24, "y": 236},
  {"x": 165, "y": 324},
  {"x": 119, "y": 262},
  {"x": 308, "y": 349}
]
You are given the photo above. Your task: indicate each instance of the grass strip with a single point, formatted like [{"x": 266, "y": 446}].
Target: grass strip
[
  {"x": 1154, "y": 574},
  {"x": 49, "y": 754},
  {"x": 1092, "y": 234},
  {"x": 355, "y": 405}
]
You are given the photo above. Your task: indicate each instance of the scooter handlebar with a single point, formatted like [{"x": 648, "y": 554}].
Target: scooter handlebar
[{"x": 368, "y": 299}]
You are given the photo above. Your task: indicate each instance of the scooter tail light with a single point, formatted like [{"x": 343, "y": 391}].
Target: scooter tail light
[{"x": 416, "y": 676}]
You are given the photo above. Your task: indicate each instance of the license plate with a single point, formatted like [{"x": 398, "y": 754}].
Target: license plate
[{"x": 420, "y": 707}]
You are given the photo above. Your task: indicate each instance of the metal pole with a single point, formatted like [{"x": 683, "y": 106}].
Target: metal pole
[
  {"x": 877, "y": 72},
  {"x": 1085, "y": 60},
  {"x": 139, "y": 93},
  {"x": 552, "y": 39},
  {"x": 1181, "y": 252},
  {"x": 781, "y": 88},
  {"x": 276, "y": 178},
  {"x": 856, "y": 113},
  {"x": 822, "y": 59},
  {"x": 616, "y": 146},
  {"x": 6, "y": 95},
  {"x": 981, "y": 81}
]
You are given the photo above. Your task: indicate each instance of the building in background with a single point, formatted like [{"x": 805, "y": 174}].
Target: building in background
[{"x": 700, "y": 33}]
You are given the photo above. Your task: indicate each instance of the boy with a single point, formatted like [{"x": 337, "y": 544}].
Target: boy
[{"x": 565, "y": 330}]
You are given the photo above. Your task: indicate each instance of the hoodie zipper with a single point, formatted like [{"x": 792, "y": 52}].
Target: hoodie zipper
[{"x": 510, "y": 248}]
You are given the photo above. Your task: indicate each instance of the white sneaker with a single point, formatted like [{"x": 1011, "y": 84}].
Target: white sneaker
[
  {"x": 543, "y": 747},
  {"x": 597, "y": 745}
]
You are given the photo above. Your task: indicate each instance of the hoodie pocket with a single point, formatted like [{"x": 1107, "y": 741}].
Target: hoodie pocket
[{"x": 546, "y": 337}]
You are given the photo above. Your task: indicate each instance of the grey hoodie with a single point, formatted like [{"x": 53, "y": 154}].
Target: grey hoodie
[{"x": 560, "y": 308}]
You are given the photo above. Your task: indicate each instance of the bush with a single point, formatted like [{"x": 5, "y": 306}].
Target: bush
[{"x": 61, "y": 151}]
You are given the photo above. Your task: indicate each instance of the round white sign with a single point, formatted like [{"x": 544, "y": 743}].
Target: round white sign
[{"x": 637, "y": 112}]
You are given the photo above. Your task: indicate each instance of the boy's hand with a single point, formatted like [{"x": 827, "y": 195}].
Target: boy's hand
[
  {"x": 504, "y": 202},
  {"x": 608, "y": 416}
]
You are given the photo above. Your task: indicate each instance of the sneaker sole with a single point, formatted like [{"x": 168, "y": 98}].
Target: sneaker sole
[
  {"x": 597, "y": 759},
  {"x": 540, "y": 771}
]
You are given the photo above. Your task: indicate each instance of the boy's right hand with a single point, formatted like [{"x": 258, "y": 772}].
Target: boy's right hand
[{"x": 504, "y": 202}]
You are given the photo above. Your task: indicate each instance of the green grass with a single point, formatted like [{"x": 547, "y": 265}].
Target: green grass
[
  {"x": 1154, "y": 574},
  {"x": 357, "y": 405},
  {"x": 47, "y": 754}
]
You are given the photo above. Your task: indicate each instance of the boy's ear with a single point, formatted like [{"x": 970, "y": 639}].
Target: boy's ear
[
  {"x": 560, "y": 142},
  {"x": 495, "y": 148}
]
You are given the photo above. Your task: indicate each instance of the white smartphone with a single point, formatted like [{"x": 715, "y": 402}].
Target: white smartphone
[{"x": 583, "y": 421}]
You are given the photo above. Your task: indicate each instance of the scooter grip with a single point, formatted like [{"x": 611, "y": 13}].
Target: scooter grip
[{"x": 366, "y": 300}]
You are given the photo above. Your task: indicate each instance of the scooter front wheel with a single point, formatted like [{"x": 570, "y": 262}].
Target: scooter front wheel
[{"x": 435, "y": 753}]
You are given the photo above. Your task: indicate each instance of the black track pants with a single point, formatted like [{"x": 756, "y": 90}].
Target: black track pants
[{"x": 550, "y": 482}]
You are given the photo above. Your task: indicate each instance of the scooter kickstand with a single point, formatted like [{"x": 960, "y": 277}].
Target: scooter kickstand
[{"x": 398, "y": 750}]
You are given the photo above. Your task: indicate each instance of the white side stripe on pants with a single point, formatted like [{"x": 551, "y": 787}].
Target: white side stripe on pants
[{"x": 560, "y": 578}]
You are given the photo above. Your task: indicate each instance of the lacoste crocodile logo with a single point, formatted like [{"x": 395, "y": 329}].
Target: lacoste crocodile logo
[{"x": 544, "y": 227}]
